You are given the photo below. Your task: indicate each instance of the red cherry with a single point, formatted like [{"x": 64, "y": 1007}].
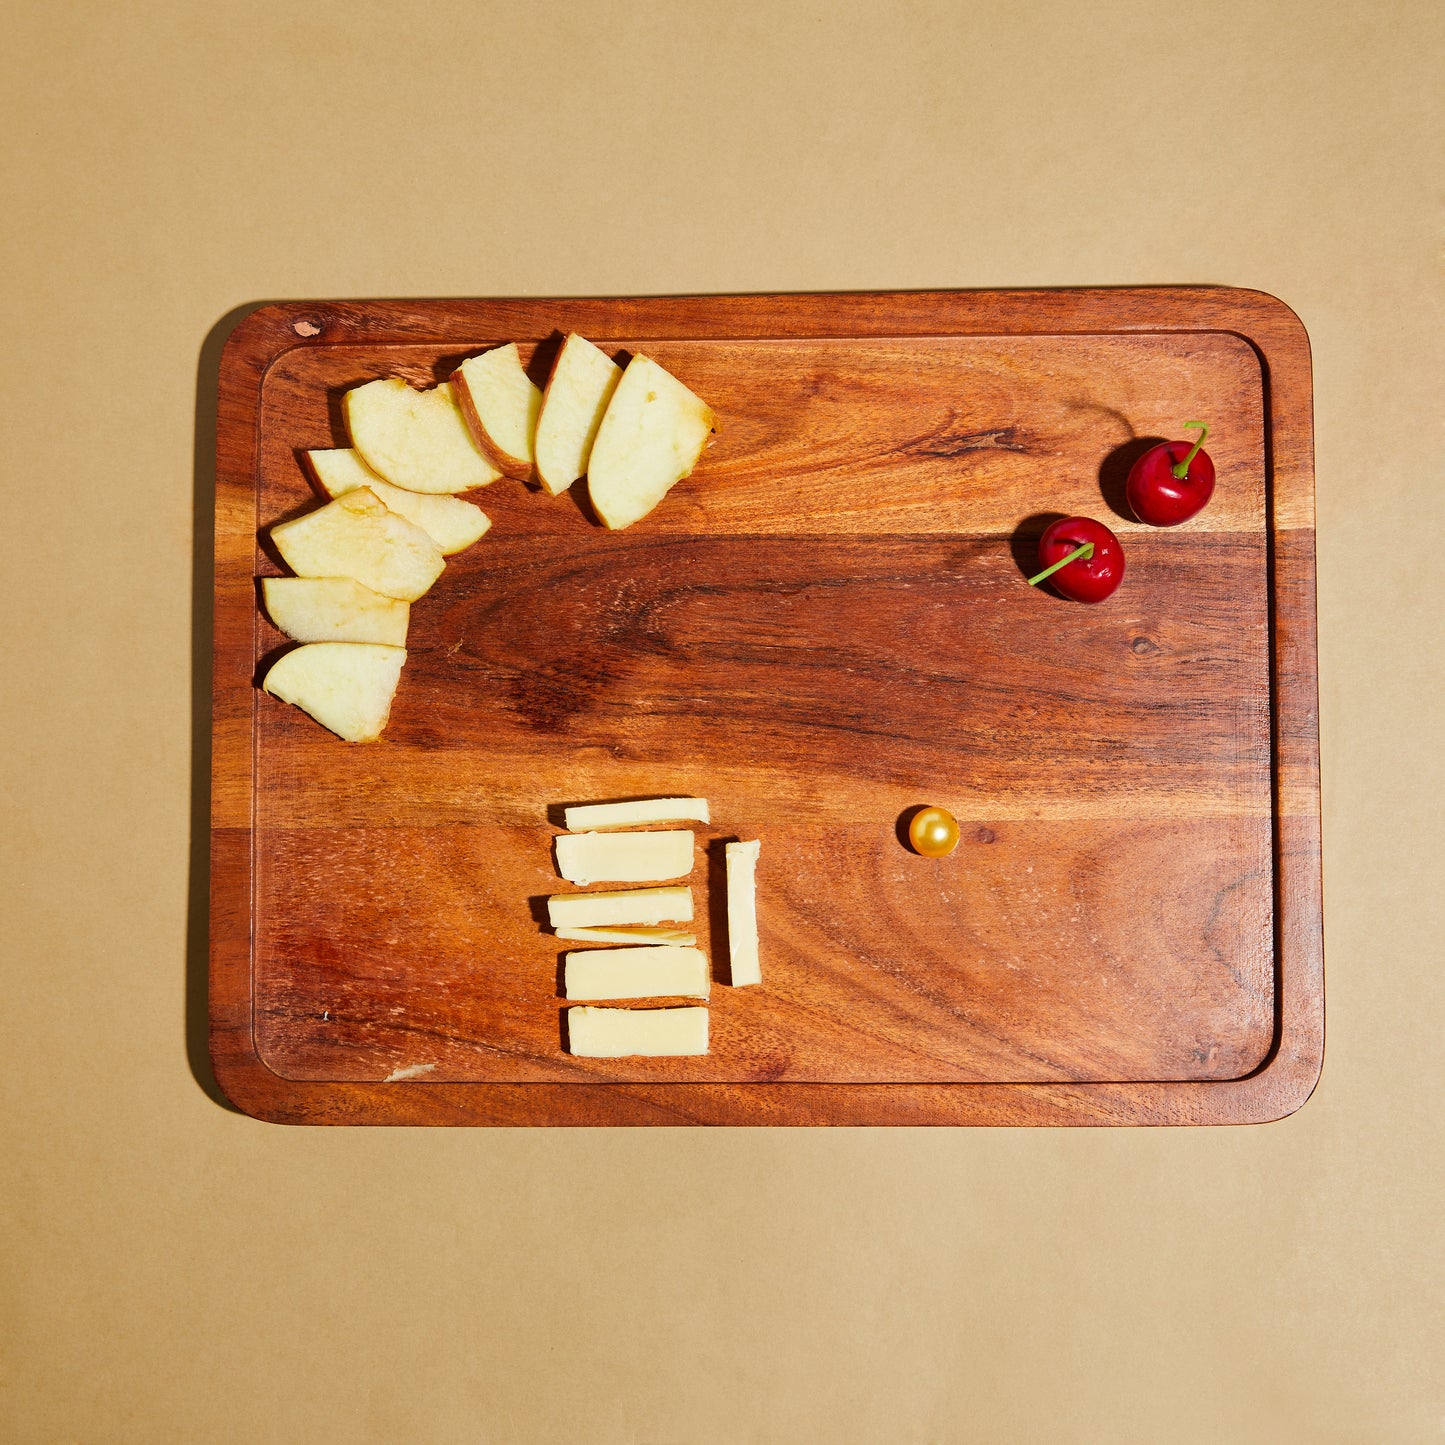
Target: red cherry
[
  {"x": 1170, "y": 483},
  {"x": 1090, "y": 577}
]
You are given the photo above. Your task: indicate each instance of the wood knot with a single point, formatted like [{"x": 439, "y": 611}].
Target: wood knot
[
  {"x": 985, "y": 835},
  {"x": 305, "y": 327},
  {"x": 1143, "y": 646}
]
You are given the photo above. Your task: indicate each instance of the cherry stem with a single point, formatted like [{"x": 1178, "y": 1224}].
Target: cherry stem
[
  {"x": 1180, "y": 470},
  {"x": 1084, "y": 552}
]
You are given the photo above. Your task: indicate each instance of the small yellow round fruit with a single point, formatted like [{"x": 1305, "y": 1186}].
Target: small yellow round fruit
[{"x": 933, "y": 832}]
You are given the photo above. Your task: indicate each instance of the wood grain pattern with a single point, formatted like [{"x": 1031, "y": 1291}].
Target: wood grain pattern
[{"x": 824, "y": 625}]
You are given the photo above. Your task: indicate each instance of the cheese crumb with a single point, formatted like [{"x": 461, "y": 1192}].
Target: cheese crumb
[{"x": 411, "y": 1071}]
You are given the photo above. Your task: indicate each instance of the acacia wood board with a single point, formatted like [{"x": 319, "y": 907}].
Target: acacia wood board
[{"x": 826, "y": 625}]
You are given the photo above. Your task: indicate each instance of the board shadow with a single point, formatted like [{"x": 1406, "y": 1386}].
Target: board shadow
[{"x": 197, "y": 1013}]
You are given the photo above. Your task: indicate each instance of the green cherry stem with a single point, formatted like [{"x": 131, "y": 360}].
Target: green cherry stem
[
  {"x": 1086, "y": 551},
  {"x": 1180, "y": 470}
]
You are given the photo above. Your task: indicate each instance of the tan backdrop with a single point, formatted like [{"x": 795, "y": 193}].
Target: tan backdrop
[{"x": 175, "y": 1272}]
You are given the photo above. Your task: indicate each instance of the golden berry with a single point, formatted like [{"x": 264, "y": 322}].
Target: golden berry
[{"x": 933, "y": 832}]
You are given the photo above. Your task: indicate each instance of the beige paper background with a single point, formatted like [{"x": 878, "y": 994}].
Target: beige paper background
[{"x": 174, "y": 1272}]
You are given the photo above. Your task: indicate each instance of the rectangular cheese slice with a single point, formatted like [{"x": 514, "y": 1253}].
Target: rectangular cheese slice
[
  {"x": 655, "y": 972},
  {"x": 624, "y": 857},
  {"x": 672, "y": 937},
  {"x": 742, "y": 913},
  {"x": 632, "y": 905},
  {"x": 619, "y": 1033},
  {"x": 632, "y": 815}
]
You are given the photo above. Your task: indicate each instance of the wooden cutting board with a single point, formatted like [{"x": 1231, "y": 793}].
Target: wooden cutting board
[{"x": 823, "y": 627}]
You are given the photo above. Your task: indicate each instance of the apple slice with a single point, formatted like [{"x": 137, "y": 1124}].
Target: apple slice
[
  {"x": 650, "y": 439},
  {"x": 581, "y": 384},
  {"x": 334, "y": 609},
  {"x": 345, "y": 686},
  {"x": 500, "y": 405},
  {"x": 415, "y": 439},
  {"x": 356, "y": 536},
  {"x": 450, "y": 522}
]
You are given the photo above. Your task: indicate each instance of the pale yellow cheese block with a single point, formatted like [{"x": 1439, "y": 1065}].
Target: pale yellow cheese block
[
  {"x": 741, "y": 861},
  {"x": 635, "y": 813},
  {"x": 619, "y": 1033},
  {"x": 672, "y": 937},
  {"x": 630, "y": 905},
  {"x": 650, "y": 972},
  {"x": 624, "y": 857}
]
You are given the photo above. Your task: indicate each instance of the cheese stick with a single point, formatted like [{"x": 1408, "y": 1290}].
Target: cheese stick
[
  {"x": 651, "y": 972},
  {"x": 619, "y": 1033},
  {"x": 742, "y": 913},
  {"x": 632, "y": 905},
  {"x": 637, "y": 933},
  {"x": 634, "y": 814},
  {"x": 624, "y": 857}
]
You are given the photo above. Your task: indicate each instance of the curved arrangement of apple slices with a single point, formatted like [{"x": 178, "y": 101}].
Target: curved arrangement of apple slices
[{"x": 394, "y": 517}]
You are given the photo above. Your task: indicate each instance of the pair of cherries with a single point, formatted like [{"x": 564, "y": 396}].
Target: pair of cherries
[{"x": 1168, "y": 485}]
